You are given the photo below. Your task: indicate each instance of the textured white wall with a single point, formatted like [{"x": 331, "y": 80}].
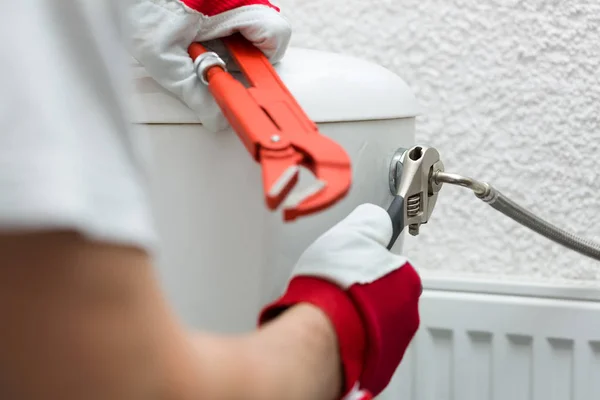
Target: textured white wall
[{"x": 511, "y": 94}]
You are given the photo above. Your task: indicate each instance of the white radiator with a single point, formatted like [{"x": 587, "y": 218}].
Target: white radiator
[{"x": 475, "y": 345}]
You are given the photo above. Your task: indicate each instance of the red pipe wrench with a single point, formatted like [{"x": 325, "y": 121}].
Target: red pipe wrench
[{"x": 275, "y": 130}]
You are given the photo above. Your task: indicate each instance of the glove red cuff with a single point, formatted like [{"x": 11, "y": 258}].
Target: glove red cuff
[
  {"x": 374, "y": 322},
  {"x": 212, "y": 7},
  {"x": 342, "y": 313},
  {"x": 389, "y": 308}
]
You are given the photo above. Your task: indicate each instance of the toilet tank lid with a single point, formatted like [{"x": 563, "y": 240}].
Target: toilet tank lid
[{"x": 330, "y": 87}]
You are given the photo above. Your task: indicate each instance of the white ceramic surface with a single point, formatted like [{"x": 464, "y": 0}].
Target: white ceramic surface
[{"x": 223, "y": 254}]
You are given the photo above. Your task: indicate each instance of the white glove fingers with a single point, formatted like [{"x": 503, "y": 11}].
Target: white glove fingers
[
  {"x": 371, "y": 221},
  {"x": 266, "y": 28},
  {"x": 354, "y": 250},
  {"x": 161, "y": 34}
]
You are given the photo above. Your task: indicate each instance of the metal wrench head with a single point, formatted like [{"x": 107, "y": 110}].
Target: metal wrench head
[{"x": 411, "y": 178}]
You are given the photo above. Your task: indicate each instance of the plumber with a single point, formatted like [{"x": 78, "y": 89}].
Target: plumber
[{"x": 82, "y": 315}]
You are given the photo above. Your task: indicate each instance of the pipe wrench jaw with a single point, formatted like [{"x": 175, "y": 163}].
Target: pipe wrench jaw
[
  {"x": 330, "y": 165},
  {"x": 319, "y": 196},
  {"x": 414, "y": 189},
  {"x": 333, "y": 179}
]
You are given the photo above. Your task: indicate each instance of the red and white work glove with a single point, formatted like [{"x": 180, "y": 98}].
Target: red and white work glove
[
  {"x": 370, "y": 295},
  {"x": 162, "y": 30}
]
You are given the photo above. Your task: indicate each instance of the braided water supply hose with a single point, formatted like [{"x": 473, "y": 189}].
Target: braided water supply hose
[{"x": 500, "y": 202}]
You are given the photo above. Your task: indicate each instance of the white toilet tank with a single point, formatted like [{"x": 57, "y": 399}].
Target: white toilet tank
[{"x": 223, "y": 254}]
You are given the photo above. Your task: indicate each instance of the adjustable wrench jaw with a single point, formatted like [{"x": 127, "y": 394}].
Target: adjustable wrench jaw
[{"x": 414, "y": 189}]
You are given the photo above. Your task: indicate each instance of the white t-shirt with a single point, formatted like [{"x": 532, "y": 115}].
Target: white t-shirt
[{"x": 67, "y": 157}]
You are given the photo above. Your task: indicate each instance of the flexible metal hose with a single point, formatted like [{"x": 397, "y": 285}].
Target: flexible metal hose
[{"x": 498, "y": 201}]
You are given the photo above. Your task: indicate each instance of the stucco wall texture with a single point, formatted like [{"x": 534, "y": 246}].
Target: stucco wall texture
[{"x": 510, "y": 92}]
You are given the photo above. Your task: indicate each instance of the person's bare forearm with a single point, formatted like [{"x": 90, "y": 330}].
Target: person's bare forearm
[
  {"x": 300, "y": 352},
  {"x": 293, "y": 357},
  {"x": 84, "y": 320}
]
